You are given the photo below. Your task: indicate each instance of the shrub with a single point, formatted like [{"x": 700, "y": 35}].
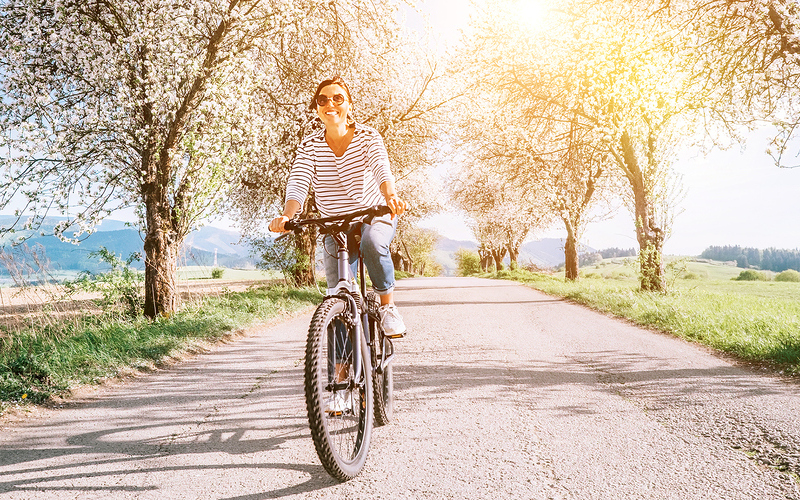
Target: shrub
[
  {"x": 788, "y": 275},
  {"x": 121, "y": 286},
  {"x": 280, "y": 253},
  {"x": 217, "y": 273},
  {"x": 751, "y": 275},
  {"x": 468, "y": 262}
]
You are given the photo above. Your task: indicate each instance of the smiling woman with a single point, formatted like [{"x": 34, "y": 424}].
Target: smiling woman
[{"x": 348, "y": 166}]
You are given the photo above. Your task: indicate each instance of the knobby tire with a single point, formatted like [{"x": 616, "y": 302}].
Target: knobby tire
[{"x": 341, "y": 440}]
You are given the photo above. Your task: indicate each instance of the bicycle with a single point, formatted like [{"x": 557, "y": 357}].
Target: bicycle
[{"x": 348, "y": 370}]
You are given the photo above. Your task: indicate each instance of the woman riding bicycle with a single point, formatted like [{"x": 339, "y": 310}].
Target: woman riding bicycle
[{"x": 348, "y": 166}]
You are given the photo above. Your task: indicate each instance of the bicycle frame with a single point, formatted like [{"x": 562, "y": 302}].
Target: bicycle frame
[
  {"x": 337, "y": 227},
  {"x": 345, "y": 288}
]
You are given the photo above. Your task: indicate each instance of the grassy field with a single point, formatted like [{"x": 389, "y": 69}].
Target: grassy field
[
  {"x": 755, "y": 321},
  {"x": 204, "y": 272},
  {"x": 37, "y": 364}
]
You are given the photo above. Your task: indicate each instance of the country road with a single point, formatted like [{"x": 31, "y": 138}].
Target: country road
[{"x": 501, "y": 393}]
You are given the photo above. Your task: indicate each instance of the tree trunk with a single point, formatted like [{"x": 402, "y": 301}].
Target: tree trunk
[
  {"x": 161, "y": 243},
  {"x": 486, "y": 258},
  {"x": 498, "y": 255},
  {"x": 161, "y": 297},
  {"x": 408, "y": 260},
  {"x": 649, "y": 236},
  {"x": 305, "y": 244},
  {"x": 571, "y": 255},
  {"x": 398, "y": 260},
  {"x": 513, "y": 256},
  {"x": 304, "y": 273}
]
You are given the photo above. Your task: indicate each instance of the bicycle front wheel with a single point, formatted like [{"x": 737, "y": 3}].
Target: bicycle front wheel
[{"x": 339, "y": 404}]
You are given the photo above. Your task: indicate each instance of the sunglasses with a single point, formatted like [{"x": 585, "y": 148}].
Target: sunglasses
[{"x": 322, "y": 100}]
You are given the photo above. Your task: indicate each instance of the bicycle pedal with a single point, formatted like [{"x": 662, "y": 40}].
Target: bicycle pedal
[{"x": 397, "y": 336}]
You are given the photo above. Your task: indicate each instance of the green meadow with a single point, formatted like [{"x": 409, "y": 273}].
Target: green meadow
[{"x": 757, "y": 321}]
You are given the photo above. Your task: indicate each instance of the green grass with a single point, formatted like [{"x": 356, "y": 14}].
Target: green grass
[
  {"x": 204, "y": 272},
  {"x": 756, "y": 321},
  {"x": 36, "y": 365}
]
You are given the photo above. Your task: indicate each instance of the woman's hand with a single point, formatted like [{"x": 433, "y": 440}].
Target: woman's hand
[
  {"x": 396, "y": 204},
  {"x": 277, "y": 224}
]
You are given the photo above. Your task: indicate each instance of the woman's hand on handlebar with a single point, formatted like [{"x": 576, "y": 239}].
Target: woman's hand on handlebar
[
  {"x": 396, "y": 204},
  {"x": 278, "y": 223}
]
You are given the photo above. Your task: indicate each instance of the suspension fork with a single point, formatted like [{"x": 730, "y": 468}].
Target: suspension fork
[{"x": 346, "y": 290}]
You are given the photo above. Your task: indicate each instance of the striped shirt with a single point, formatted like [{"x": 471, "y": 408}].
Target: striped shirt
[{"x": 341, "y": 184}]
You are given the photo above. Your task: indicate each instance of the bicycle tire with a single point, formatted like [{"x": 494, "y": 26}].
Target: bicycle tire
[
  {"x": 341, "y": 439},
  {"x": 383, "y": 382}
]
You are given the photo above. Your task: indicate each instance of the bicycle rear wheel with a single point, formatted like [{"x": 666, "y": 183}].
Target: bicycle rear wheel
[
  {"x": 383, "y": 379},
  {"x": 339, "y": 406}
]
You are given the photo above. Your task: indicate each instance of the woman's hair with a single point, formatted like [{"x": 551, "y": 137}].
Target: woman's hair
[{"x": 336, "y": 80}]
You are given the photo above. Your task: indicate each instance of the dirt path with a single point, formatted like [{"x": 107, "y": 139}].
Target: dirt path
[{"x": 501, "y": 392}]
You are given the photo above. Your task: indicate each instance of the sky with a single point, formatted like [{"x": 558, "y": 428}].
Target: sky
[{"x": 731, "y": 197}]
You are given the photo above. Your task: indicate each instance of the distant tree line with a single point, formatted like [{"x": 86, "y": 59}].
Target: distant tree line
[
  {"x": 614, "y": 252},
  {"x": 771, "y": 259},
  {"x": 591, "y": 258}
]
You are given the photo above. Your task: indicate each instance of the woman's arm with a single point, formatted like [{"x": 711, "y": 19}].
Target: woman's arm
[{"x": 394, "y": 202}]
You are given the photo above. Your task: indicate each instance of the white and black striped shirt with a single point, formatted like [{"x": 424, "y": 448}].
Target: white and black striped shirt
[{"x": 341, "y": 184}]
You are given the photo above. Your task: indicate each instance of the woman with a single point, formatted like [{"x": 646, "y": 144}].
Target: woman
[{"x": 348, "y": 166}]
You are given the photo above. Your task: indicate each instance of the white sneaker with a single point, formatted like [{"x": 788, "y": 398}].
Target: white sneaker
[
  {"x": 341, "y": 402},
  {"x": 392, "y": 321}
]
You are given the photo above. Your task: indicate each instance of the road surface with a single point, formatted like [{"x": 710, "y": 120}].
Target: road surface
[{"x": 501, "y": 392}]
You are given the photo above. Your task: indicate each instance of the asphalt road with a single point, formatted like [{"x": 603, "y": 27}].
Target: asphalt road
[{"x": 501, "y": 392}]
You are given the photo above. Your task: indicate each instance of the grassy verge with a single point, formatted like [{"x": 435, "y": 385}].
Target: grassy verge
[
  {"x": 38, "y": 364},
  {"x": 757, "y": 322}
]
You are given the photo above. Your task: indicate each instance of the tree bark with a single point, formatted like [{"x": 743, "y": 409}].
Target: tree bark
[
  {"x": 161, "y": 244},
  {"x": 648, "y": 234},
  {"x": 571, "y": 264},
  {"x": 498, "y": 255},
  {"x": 486, "y": 258},
  {"x": 305, "y": 244},
  {"x": 513, "y": 256}
]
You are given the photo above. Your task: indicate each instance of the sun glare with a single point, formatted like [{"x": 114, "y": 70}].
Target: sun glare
[{"x": 530, "y": 13}]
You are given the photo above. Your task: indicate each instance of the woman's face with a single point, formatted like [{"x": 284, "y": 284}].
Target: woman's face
[{"x": 331, "y": 113}]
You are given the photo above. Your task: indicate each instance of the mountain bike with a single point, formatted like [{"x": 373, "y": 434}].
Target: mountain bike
[{"x": 348, "y": 370}]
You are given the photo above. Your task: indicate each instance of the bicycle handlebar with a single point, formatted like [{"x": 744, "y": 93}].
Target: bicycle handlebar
[{"x": 373, "y": 211}]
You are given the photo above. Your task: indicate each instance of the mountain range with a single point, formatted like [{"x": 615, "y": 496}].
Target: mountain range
[{"x": 208, "y": 246}]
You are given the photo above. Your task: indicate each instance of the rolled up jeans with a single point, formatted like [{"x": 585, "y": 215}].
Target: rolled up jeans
[{"x": 375, "y": 241}]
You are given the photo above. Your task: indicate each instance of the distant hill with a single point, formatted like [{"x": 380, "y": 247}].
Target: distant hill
[{"x": 201, "y": 247}]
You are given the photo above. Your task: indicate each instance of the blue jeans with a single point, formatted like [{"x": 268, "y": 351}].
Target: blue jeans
[{"x": 375, "y": 241}]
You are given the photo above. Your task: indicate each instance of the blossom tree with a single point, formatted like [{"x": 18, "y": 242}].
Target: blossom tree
[
  {"x": 149, "y": 104},
  {"x": 395, "y": 88},
  {"x": 747, "y": 55},
  {"x": 610, "y": 70},
  {"x": 503, "y": 211}
]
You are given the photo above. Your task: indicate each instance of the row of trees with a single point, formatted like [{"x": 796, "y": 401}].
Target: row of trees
[
  {"x": 771, "y": 259},
  {"x": 591, "y": 104},
  {"x": 182, "y": 110}
]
